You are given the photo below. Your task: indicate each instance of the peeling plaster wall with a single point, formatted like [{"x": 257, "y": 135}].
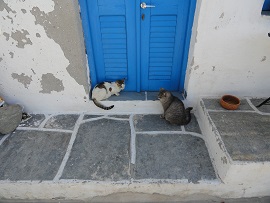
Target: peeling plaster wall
[
  {"x": 230, "y": 50},
  {"x": 42, "y": 58}
]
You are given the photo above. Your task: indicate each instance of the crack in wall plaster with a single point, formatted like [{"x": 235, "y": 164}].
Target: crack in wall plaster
[
  {"x": 20, "y": 37},
  {"x": 23, "y": 79},
  {"x": 53, "y": 23},
  {"x": 50, "y": 83}
]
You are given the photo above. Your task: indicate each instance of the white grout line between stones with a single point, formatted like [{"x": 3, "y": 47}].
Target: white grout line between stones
[
  {"x": 4, "y": 138},
  {"x": 183, "y": 128},
  {"x": 69, "y": 148},
  {"x": 47, "y": 117},
  {"x": 171, "y": 133},
  {"x": 132, "y": 140},
  {"x": 44, "y": 129}
]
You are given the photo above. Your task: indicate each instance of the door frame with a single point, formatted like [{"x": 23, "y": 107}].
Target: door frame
[{"x": 89, "y": 52}]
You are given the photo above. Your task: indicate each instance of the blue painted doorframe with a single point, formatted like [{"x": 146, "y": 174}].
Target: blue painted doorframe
[{"x": 148, "y": 46}]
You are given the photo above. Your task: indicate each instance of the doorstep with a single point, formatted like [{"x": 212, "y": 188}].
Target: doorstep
[{"x": 131, "y": 103}]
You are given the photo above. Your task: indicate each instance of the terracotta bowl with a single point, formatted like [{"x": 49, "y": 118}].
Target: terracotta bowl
[{"x": 229, "y": 102}]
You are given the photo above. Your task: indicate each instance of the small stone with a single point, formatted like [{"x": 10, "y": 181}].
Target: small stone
[{"x": 10, "y": 118}]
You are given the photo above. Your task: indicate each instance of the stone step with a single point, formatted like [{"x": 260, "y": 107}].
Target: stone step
[{"x": 238, "y": 142}]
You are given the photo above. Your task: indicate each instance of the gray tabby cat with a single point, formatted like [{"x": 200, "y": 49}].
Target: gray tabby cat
[{"x": 174, "y": 109}]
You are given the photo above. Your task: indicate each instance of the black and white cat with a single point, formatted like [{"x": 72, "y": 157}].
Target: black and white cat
[{"x": 106, "y": 89}]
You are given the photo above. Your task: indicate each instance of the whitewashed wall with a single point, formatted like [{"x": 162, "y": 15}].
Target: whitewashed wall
[
  {"x": 42, "y": 58},
  {"x": 43, "y": 67},
  {"x": 230, "y": 50}
]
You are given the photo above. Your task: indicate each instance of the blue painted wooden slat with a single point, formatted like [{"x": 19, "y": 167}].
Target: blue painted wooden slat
[
  {"x": 162, "y": 29},
  {"x": 116, "y": 65},
  {"x": 114, "y": 46},
  {"x": 162, "y": 45},
  {"x": 108, "y": 2},
  {"x": 160, "y": 60},
  {"x": 161, "y": 50},
  {"x": 163, "y": 23},
  {"x": 161, "y": 40},
  {"x": 112, "y": 60},
  {"x": 112, "y": 24},
  {"x": 162, "y": 35},
  {"x": 116, "y": 18},
  {"x": 161, "y": 64},
  {"x": 113, "y": 30},
  {"x": 115, "y": 51},
  {"x": 115, "y": 56},
  {"x": 114, "y": 36},
  {"x": 161, "y": 55}
]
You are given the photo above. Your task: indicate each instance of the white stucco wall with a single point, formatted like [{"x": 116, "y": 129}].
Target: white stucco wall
[
  {"x": 230, "y": 50},
  {"x": 42, "y": 59},
  {"x": 43, "y": 67}
]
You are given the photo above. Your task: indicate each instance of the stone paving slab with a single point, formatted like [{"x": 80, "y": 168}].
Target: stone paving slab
[
  {"x": 100, "y": 152},
  {"x": 66, "y": 122},
  {"x": 155, "y": 123},
  {"x": 32, "y": 155},
  {"x": 176, "y": 156},
  {"x": 246, "y": 135}
]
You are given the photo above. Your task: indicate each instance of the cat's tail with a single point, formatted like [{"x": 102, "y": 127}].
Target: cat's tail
[
  {"x": 101, "y": 105},
  {"x": 188, "y": 115}
]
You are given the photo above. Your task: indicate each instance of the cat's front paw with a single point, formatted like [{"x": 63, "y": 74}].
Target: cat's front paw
[
  {"x": 162, "y": 116},
  {"x": 117, "y": 94}
]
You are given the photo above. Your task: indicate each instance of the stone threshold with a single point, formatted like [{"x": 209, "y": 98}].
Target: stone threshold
[{"x": 140, "y": 96}]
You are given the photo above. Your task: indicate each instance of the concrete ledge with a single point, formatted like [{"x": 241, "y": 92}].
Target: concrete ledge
[{"x": 232, "y": 171}]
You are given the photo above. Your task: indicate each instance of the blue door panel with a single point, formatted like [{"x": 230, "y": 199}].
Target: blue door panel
[
  {"x": 111, "y": 37},
  {"x": 148, "y": 46},
  {"x": 163, "y": 38}
]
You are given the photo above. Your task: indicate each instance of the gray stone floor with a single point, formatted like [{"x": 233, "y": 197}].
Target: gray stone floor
[
  {"x": 245, "y": 131},
  {"x": 104, "y": 148},
  {"x": 131, "y": 147}
]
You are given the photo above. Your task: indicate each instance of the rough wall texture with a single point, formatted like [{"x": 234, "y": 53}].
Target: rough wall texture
[
  {"x": 230, "y": 50},
  {"x": 42, "y": 58}
]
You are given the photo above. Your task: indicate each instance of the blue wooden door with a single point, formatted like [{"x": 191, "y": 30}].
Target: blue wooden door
[
  {"x": 147, "y": 46},
  {"x": 163, "y": 37}
]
